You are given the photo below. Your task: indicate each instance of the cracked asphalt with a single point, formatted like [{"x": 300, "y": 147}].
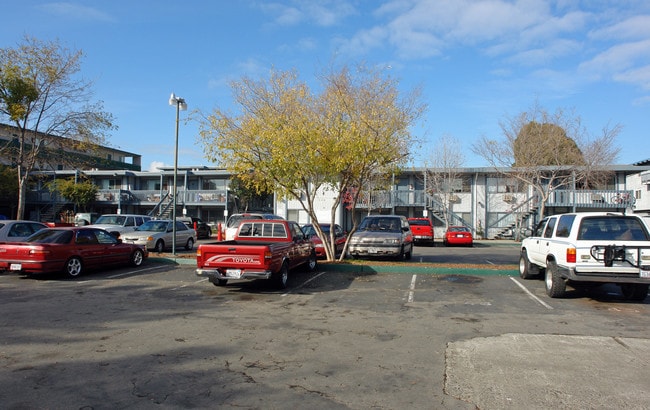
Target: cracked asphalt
[{"x": 160, "y": 337}]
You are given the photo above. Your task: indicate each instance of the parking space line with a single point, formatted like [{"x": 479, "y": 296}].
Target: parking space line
[
  {"x": 529, "y": 293},
  {"x": 132, "y": 272},
  {"x": 303, "y": 284},
  {"x": 411, "y": 294}
]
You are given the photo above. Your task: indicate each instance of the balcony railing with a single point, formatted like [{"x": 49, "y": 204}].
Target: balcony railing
[{"x": 606, "y": 199}]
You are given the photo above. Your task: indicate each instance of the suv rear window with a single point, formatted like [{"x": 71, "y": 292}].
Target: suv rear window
[{"x": 608, "y": 228}]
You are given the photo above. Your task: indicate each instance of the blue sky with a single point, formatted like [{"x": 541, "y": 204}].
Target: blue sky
[{"x": 478, "y": 62}]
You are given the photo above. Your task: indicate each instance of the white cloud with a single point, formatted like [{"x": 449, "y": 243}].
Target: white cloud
[
  {"x": 76, "y": 11},
  {"x": 323, "y": 13},
  {"x": 154, "y": 166},
  {"x": 636, "y": 27}
]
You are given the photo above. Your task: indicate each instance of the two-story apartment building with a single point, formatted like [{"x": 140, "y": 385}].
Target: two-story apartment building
[{"x": 490, "y": 204}]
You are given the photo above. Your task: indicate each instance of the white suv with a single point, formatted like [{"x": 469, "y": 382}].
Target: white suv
[{"x": 588, "y": 248}]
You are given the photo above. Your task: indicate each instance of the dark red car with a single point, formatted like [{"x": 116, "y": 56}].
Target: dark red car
[
  {"x": 339, "y": 238},
  {"x": 72, "y": 250},
  {"x": 458, "y": 235},
  {"x": 422, "y": 229}
]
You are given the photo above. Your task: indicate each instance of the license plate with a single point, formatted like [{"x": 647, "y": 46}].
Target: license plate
[
  {"x": 644, "y": 273},
  {"x": 15, "y": 266},
  {"x": 233, "y": 273}
]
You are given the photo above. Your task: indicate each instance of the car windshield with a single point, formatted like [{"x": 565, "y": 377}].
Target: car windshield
[
  {"x": 235, "y": 220},
  {"x": 110, "y": 220},
  {"x": 51, "y": 236},
  {"x": 421, "y": 222},
  {"x": 458, "y": 229},
  {"x": 309, "y": 230},
  {"x": 153, "y": 226},
  {"x": 383, "y": 224}
]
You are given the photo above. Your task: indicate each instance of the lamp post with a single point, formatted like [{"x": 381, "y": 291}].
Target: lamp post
[{"x": 180, "y": 105}]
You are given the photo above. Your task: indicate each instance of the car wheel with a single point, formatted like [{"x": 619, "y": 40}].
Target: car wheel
[
  {"x": 189, "y": 245},
  {"x": 219, "y": 282},
  {"x": 526, "y": 269},
  {"x": 281, "y": 277},
  {"x": 635, "y": 292},
  {"x": 209, "y": 232},
  {"x": 73, "y": 267},
  {"x": 555, "y": 284},
  {"x": 408, "y": 255},
  {"x": 137, "y": 257},
  {"x": 160, "y": 246}
]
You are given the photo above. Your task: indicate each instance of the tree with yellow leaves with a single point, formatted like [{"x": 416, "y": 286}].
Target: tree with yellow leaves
[{"x": 297, "y": 143}]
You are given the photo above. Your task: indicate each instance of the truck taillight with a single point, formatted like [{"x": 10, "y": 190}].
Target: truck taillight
[
  {"x": 268, "y": 255},
  {"x": 198, "y": 251},
  {"x": 571, "y": 255}
]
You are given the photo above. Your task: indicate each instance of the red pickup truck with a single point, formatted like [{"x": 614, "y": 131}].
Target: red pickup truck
[{"x": 261, "y": 249}]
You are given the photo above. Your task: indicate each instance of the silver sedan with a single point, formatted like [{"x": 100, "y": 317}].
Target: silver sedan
[
  {"x": 18, "y": 231},
  {"x": 157, "y": 235}
]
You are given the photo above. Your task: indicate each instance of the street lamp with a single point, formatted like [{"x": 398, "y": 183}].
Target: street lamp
[{"x": 180, "y": 105}]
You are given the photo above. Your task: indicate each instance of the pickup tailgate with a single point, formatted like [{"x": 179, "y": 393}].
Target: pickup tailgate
[
  {"x": 233, "y": 256},
  {"x": 607, "y": 257}
]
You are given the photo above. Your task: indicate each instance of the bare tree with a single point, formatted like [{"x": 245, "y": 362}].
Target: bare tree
[
  {"x": 41, "y": 95},
  {"x": 546, "y": 150},
  {"x": 443, "y": 176}
]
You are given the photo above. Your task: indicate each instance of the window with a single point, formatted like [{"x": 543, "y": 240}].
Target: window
[
  {"x": 564, "y": 226},
  {"x": 503, "y": 185},
  {"x": 548, "y": 232}
]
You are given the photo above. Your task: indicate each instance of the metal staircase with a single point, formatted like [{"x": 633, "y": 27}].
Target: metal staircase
[
  {"x": 438, "y": 211},
  {"x": 516, "y": 218}
]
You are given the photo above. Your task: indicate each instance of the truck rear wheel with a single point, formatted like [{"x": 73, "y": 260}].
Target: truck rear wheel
[
  {"x": 280, "y": 277},
  {"x": 219, "y": 282},
  {"x": 555, "y": 284},
  {"x": 634, "y": 291}
]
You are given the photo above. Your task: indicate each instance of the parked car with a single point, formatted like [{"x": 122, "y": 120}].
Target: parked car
[
  {"x": 235, "y": 219},
  {"x": 458, "y": 235},
  {"x": 382, "y": 235},
  {"x": 16, "y": 231},
  {"x": 85, "y": 218},
  {"x": 339, "y": 238},
  {"x": 117, "y": 224},
  {"x": 203, "y": 230},
  {"x": 157, "y": 234},
  {"x": 422, "y": 230},
  {"x": 72, "y": 250}
]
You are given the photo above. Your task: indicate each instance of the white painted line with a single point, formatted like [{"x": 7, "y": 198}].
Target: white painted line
[
  {"x": 535, "y": 298},
  {"x": 133, "y": 271},
  {"x": 412, "y": 289},
  {"x": 491, "y": 263},
  {"x": 188, "y": 284},
  {"x": 306, "y": 282}
]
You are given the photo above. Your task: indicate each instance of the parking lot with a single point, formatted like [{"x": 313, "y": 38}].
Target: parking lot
[{"x": 413, "y": 335}]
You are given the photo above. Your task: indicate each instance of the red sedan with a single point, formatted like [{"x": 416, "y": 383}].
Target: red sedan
[
  {"x": 458, "y": 235},
  {"x": 72, "y": 250},
  {"x": 339, "y": 238}
]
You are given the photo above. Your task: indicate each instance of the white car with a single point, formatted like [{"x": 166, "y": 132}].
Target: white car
[
  {"x": 17, "y": 231},
  {"x": 157, "y": 235}
]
